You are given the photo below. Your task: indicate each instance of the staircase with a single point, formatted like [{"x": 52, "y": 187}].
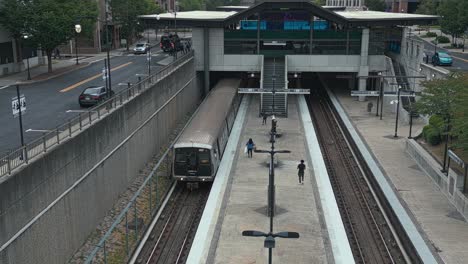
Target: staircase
[
  {"x": 273, "y": 77},
  {"x": 407, "y": 102}
]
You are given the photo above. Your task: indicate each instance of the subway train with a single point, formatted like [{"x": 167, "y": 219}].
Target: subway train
[{"x": 198, "y": 151}]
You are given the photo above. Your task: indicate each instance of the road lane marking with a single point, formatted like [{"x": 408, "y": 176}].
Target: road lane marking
[
  {"x": 4, "y": 87},
  {"x": 69, "y": 88},
  {"x": 459, "y": 58}
]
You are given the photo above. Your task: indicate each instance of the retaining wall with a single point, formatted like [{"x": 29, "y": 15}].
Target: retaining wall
[
  {"x": 448, "y": 185},
  {"x": 83, "y": 176}
]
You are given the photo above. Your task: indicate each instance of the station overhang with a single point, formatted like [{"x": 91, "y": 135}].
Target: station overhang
[{"x": 347, "y": 19}]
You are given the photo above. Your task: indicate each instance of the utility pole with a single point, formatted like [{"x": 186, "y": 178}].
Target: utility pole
[
  {"x": 20, "y": 120},
  {"x": 109, "y": 90}
]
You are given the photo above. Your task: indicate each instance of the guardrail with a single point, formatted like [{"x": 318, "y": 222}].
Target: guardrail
[
  {"x": 74, "y": 126},
  {"x": 119, "y": 243}
]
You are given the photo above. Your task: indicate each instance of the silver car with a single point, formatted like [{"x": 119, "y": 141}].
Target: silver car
[{"x": 141, "y": 48}]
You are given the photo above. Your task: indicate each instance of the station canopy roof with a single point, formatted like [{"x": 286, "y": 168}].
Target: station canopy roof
[{"x": 344, "y": 18}]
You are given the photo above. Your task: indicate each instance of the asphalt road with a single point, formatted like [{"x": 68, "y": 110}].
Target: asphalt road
[
  {"x": 48, "y": 101},
  {"x": 460, "y": 60}
]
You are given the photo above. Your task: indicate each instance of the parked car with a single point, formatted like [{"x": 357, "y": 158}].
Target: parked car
[
  {"x": 441, "y": 58},
  {"x": 141, "y": 48},
  {"x": 93, "y": 95}
]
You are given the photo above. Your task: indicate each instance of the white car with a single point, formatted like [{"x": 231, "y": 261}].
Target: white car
[{"x": 141, "y": 48}]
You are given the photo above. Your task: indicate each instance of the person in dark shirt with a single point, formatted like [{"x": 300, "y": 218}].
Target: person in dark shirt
[{"x": 301, "y": 167}]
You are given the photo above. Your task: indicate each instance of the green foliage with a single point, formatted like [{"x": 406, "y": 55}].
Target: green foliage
[
  {"x": 320, "y": 2},
  {"x": 443, "y": 39},
  {"x": 375, "y": 5},
  {"x": 212, "y": 4},
  {"x": 48, "y": 23},
  {"x": 189, "y": 5},
  {"x": 126, "y": 12},
  {"x": 13, "y": 16},
  {"x": 454, "y": 18},
  {"x": 425, "y": 129},
  {"x": 437, "y": 121},
  {"x": 432, "y": 136},
  {"x": 428, "y": 7},
  {"x": 431, "y": 35},
  {"x": 460, "y": 119}
]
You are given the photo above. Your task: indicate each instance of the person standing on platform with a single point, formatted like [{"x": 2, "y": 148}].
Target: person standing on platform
[
  {"x": 264, "y": 116},
  {"x": 250, "y": 146},
  {"x": 301, "y": 168}
]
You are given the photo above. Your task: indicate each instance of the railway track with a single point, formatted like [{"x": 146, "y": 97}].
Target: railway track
[
  {"x": 372, "y": 236},
  {"x": 172, "y": 236}
]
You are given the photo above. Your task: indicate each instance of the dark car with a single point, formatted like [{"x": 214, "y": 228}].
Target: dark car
[
  {"x": 170, "y": 42},
  {"x": 93, "y": 95},
  {"x": 442, "y": 59}
]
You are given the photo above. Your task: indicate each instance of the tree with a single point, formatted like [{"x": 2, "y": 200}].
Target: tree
[
  {"x": 48, "y": 23},
  {"x": 189, "y": 5},
  {"x": 212, "y": 4},
  {"x": 320, "y": 2},
  {"x": 460, "y": 122},
  {"x": 452, "y": 21},
  {"x": 427, "y": 7},
  {"x": 126, "y": 12},
  {"x": 13, "y": 17},
  {"x": 375, "y": 5}
]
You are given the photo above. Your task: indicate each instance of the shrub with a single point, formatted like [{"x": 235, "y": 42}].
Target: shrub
[
  {"x": 443, "y": 39},
  {"x": 431, "y": 35},
  {"x": 425, "y": 129},
  {"x": 432, "y": 136},
  {"x": 437, "y": 122}
]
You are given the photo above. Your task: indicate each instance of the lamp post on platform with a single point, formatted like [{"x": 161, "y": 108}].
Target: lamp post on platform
[
  {"x": 397, "y": 111},
  {"x": 270, "y": 239}
]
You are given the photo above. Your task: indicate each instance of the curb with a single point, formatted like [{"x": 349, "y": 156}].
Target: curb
[{"x": 83, "y": 65}]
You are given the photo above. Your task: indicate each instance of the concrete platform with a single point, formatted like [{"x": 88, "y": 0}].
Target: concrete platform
[
  {"x": 298, "y": 207},
  {"x": 443, "y": 228}
]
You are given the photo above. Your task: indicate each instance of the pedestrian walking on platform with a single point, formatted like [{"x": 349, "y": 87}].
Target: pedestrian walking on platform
[
  {"x": 250, "y": 146},
  {"x": 264, "y": 116},
  {"x": 301, "y": 168}
]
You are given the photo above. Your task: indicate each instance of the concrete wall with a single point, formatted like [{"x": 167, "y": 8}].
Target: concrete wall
[
  {"x": 449, "y": 185},
  {"x": 218, "y": 60},
  {"x": 95, "y": 167},
  {"x": 332, "y": 63}
]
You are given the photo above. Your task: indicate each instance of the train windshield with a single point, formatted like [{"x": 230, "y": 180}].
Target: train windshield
[{"x": 192, "y": 162}]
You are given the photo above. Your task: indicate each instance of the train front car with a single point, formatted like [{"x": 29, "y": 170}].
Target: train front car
[
  {"x": 200, "y": 147},
  {"x": 193, "y": 163}
]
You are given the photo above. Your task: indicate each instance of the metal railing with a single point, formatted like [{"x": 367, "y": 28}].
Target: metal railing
[
  {"x": 47, "y": 141},
  {"x": 118, "y": 244}
]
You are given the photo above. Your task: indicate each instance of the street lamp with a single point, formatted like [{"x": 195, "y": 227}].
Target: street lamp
[
  {"x": 77, "y": 31},
  {"x": 397, "y": 110},
  {"x": 270, "y": 239},
  {"x": 25, "y": 37},
  {"x": 411, "y": 119},
  {"x": 108, "y": 66},
  {"x": 380, "y": 93}
]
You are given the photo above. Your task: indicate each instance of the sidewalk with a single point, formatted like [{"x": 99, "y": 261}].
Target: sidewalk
[
  {"x": 444, "y": 227},
  {"x": 421, "y": 34},
  {"x": 62, "y": 66}
]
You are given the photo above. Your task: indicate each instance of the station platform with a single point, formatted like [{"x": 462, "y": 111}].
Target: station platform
[
  {"x": 296, "y": 205},
  {"x": 299, "y": 208},
  {"x": 443, "y": 228}
]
